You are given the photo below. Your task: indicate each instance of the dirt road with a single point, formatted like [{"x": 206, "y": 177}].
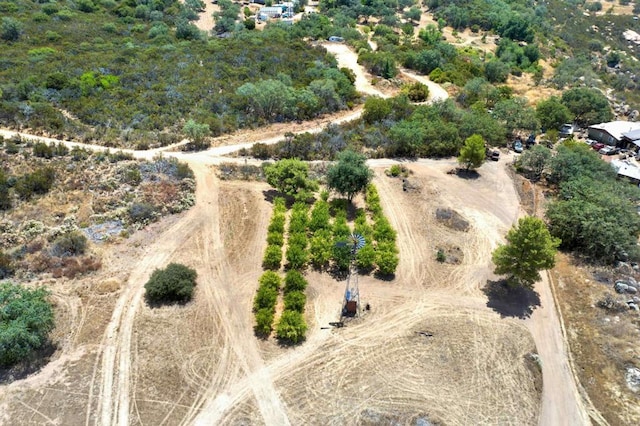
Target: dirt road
[
  {"x": 347, "y": 58},
  {"x": 561, "y": 401},
  {"x": 370, "y": 370}
]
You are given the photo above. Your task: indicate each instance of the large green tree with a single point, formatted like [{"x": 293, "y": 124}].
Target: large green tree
[
  {"x": 530, "y": 248},
  {"x": 26, "y": 317},
  {"x": 472, "y": 154},
  {"x": 349, "y": 175},
  {"x": 533, "y": 161},
  {"x": 516, "y": 114},
  {"x": 589, "y": 106},
  {"x": 291, "y": 177},
  {"x": 552, "y": 113}
]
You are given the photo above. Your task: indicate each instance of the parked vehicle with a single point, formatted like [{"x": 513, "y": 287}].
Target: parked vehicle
[
  {"x": 336, "y": 39},
  {"x": 608, "y": 150},
  {"x": 567, "y": 129},
  {"x": 531, "y": 141},
  {"x": 597, "y": 146},
  {"x": 492, "y": 154},
  {"x": 517, "y": 146}
]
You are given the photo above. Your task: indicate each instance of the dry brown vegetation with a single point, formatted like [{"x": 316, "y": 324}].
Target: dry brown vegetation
[
  {"x": 92, "y": 192},
  {"x": 603, "y": 343}
]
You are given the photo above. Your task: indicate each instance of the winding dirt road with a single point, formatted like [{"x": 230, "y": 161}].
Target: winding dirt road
[{"x": 111, "y": 389}]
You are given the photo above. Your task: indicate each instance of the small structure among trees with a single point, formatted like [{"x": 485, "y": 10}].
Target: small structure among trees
[{"x": 530, "y": 248}]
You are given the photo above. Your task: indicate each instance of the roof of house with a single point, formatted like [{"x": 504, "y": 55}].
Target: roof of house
[
  {"x": 633, "y": 135},
  {"x": 616, "y": 128},
  {"x": 271, "y": 9},
  {"x": 626, "y": 169}
]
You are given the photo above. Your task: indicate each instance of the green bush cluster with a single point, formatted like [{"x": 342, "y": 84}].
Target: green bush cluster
[
  {"x": 341, "y": 255},
  {"x": 386, "y": 251},
  {"x": 73, "y": 243},
  {"x": 297, "y": 254},
  {"x": 173, "y": 284},
  {"x": 264, "y": 303},
  {"x": 275, "y": 237},
  {"x": 26, "y": 318},
  {"x": 38, "y": 182},
  {"x": 7, "y": 268},
  {"x": 292, "y": 327}
]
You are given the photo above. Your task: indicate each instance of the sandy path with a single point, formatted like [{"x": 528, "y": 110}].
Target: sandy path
[
  {"x": 347, "y": 58},
  {"x": 436, "y": 92},
  {"x": 561, "y": 402}
]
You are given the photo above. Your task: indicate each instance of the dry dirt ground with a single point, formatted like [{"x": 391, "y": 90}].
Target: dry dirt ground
[
  {"x": 121, "y": 362},
  {"x": 126, "y": 363}
]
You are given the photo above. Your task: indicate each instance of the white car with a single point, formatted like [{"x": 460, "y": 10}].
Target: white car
[{"x": 567, "y": 129}]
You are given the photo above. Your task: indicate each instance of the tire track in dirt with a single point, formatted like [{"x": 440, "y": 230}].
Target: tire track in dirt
[{"x": 114, "y": 383}]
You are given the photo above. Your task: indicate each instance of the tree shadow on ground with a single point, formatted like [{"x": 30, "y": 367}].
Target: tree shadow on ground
[
  {"x": 270, "y": 194},
  {"x": 32, "y": 364},
  {"x": 467, "y": 174},
  {"x": 518, "y": 302}
]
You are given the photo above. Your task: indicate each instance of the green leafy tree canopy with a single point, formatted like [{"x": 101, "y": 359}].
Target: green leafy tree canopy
[
  {"x": 472, "y": 154},
  {"x": 26, "y": 317},
  {"x": 350, "y": 175},
  {"x": 530, "y": 248},
  {"x": 291, "y": 177},
  {"x": 175, "y": 283}
]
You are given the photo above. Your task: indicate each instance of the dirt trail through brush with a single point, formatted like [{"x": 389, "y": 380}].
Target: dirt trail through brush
[{"x": 488, "y": 203}]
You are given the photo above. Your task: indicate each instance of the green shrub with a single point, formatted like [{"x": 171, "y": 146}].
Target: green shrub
[
  {"x": 321, "y": 248},
  {"x": 72, "y": 243},
  {"x": 341, "y": 255},
  {"x": 441, "y": 256},
  {"x": 319, "y": 216},
  {"x": 5, "y": 200},
  {"x": 295, "y": 301},
  {"x": 294, "y": 281},
  {"x": 38, "y": 182},
  {"x": 366, "y": 257},
  {"x": 266, "y": 298},
  {"x": 275, "y": 239},
  {"x": 43, "y": 150},
  {"x": 387, "y": 258},
  {"x": 383, "y": 231},
  {"x": 291, "y": 327},
  {"x": 271, "y": 280},
  {"x": 277, "y": 224},
  {"x": 11, "y": 147},
  {"x": 296, "y": 257},
  {"x": 272, "y": 257},
  {"x": 264, "y": 322},
  {"x": 25, "y": 321},
  {"x": 175, "y": 283},
  {"x": 298, "y": 239},
  {"x": 141, "y": 212}
]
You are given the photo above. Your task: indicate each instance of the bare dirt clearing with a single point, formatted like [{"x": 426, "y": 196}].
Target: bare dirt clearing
[
  {"x": 128, "y": 364},
  {"x": 200, "y": 363}
]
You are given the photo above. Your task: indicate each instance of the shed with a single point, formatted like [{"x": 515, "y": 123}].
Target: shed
[
  {"x": 611, "y": 133},
  {"x": 270, "y": 12},
  {"x": 627, "y": 170},
  {"x": 631, "y": 139}
]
